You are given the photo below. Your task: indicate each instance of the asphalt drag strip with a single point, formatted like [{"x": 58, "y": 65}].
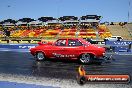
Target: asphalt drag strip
[
  {"x": 21, "y": 67},
  {"x": 6, "y": 84},
  {"x": 52, "y": 82}
]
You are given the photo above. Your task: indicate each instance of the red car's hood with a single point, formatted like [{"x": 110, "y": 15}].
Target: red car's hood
[
  {"x": 96, "y": 47},
  {"x": 93, "y": 45}
]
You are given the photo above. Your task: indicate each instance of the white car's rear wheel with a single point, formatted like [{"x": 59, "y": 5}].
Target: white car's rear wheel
[{"x": 40, "y": 56}]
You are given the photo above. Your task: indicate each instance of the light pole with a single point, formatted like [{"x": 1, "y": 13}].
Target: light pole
[{"x": 129, "y": 4}]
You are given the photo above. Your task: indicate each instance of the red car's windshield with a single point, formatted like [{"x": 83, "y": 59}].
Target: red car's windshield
[{"x": 84, "y": 41}]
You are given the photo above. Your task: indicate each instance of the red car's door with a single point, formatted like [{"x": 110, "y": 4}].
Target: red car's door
[
  {"x": 58, "y": 49},
  {"x": 73, "y": 49}
]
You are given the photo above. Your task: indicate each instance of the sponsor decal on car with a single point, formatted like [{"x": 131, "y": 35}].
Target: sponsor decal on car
[{"x": 61, "y": 55}]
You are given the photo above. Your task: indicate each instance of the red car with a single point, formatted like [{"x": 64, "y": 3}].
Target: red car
[{"x": 71, "y": 48}]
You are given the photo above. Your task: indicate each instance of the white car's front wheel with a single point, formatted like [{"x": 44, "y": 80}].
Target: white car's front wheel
[{"x": 40, "y": 56}]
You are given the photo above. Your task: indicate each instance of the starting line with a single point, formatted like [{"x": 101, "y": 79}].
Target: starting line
[{"x": 120, "y": 50}]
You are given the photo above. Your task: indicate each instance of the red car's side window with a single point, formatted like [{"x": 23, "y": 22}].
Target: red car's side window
[
  {"x": 72, "y": 42},
  {"x": 61, "y": 42}
]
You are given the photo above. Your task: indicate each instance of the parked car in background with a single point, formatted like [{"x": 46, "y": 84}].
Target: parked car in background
[
  {"x": 91, "y": 40},
  {"x": 114, "y": 38}
]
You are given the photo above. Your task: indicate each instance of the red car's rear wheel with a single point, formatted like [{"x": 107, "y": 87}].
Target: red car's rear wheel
[
  {"x": 40, "y": 56},
  {"x": 85, "y": 58}
]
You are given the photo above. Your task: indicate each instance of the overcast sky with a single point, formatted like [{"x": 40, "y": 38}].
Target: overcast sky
[{"x": 111, "y": 10}]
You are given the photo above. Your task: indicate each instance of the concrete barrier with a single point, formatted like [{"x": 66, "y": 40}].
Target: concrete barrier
[
  {"x": 17, "y": 46},
  {"x": 118, "y": 43},
  {"x": 120, "y": 46}
]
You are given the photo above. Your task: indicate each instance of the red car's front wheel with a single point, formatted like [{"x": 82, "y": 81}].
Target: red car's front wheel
[{"x": 40, "y": 56}]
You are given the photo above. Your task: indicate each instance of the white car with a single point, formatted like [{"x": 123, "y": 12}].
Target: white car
[{"x": 114, "y": 38}]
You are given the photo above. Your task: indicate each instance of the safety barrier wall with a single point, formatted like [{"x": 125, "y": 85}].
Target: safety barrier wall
[
  {"x": 118, "y": 43},
  {"x": 117, "y": 46},
  {"x": 120, "y": 46},
  {"x": 17, "y": 46}
]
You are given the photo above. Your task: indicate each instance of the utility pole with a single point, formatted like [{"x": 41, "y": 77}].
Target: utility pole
[{"x": 129, "y": 4}]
